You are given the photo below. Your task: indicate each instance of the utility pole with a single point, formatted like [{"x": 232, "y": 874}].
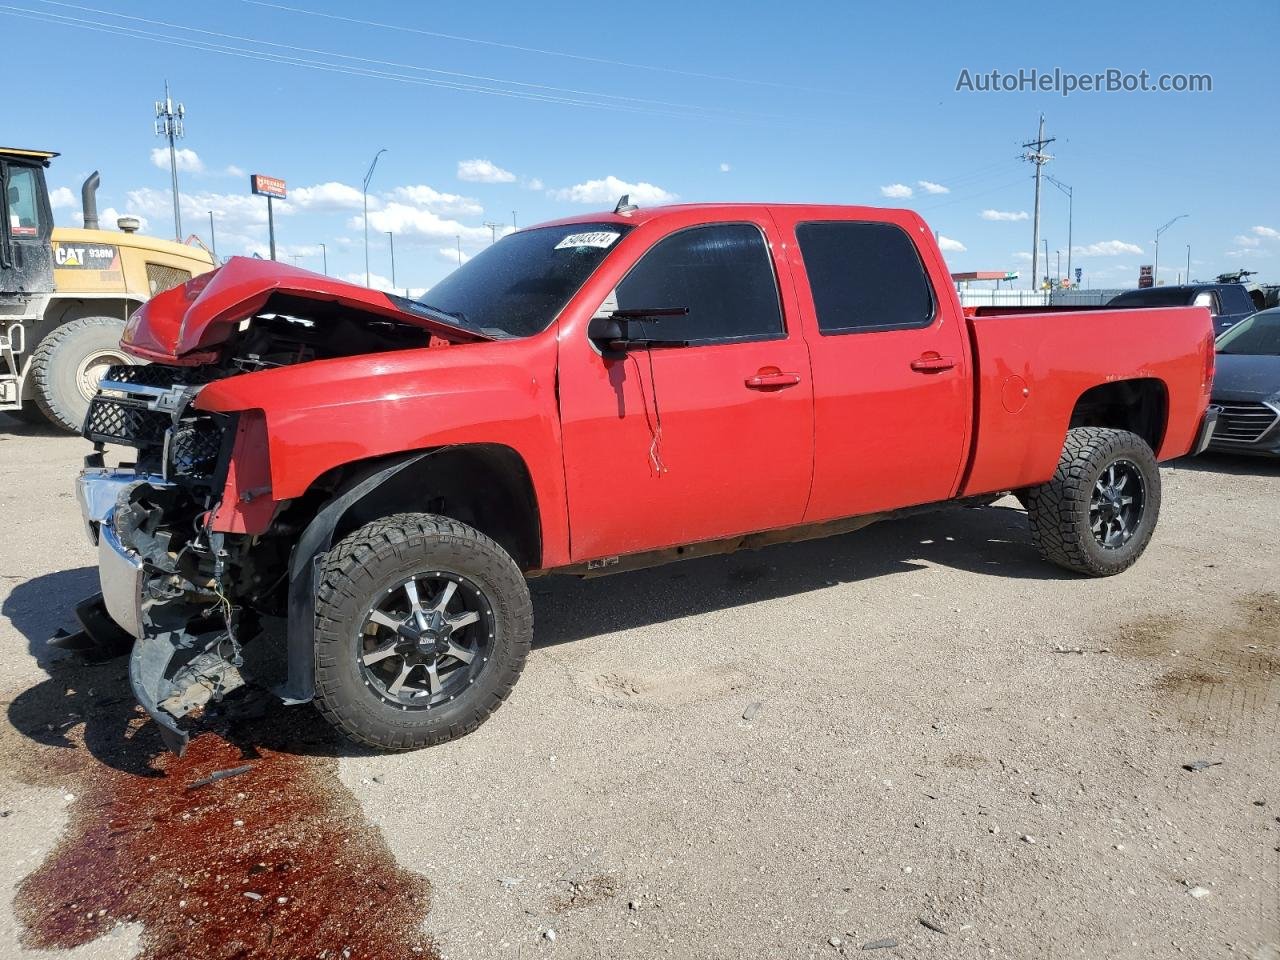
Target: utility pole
[
  {"x": 295, "y": 257},
  {"x": 1059, "y": 268},
  {"x": 1188, "y": 263},
  {"x": 324, "y": 253},
  {"x": 493, "y": 226},
  {"x": 365, "y": 190},
  {"x": 1039, "y": 158},
  {"x": 169, "y": 124},
  {"x": 1155, "y": 266},
  {"x": 1046, "y": 261},
  {"x": 213, "y": 238},
  {"x": 513, "y": 221},
  {"x": 1070, "y": 203},
  {"x": 459, "y": 238},
  {"x": 391, "y": 239}
]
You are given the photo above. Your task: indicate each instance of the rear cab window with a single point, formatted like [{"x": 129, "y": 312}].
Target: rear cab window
[
  {"x": 22, "y": 203},
  {"x": 865, "y": 277}
]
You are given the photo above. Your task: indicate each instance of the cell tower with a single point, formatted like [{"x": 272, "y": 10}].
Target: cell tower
[{"x": 169, "y": 124}]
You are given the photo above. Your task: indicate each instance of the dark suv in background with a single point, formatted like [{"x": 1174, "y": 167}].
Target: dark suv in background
[{"x": 1229, "y": 303}]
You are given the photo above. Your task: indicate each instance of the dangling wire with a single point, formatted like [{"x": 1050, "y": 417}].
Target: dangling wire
[{"x": 655, "y": 447}]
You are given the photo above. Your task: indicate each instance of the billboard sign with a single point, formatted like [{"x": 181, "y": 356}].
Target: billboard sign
[
  {"x": 1146, "y": 276},
  {"x": 265, "y": 186}
]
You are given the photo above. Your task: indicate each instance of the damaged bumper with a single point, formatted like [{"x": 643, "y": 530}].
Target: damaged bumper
[{"x": 184, "y": 653}]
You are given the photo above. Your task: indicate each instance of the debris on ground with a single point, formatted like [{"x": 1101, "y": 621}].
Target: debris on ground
[
  {"x": 932, "y": 924},
  {"x": 1200, "y": 892},
  {"x": 1195, "y": 765},
  {"x": 751, "y": 711},
  {"x": 221, "y": 775}
]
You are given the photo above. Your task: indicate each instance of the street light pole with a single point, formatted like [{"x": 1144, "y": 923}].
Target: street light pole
[
  {"x": 1070, "y": 204},
  {"x": 1188, "y": 263},
  {"x": 365, "y": 197},
  {"x": 391, "y": 239},
  {"x": 493, "y": 226},
  {"x": 324, "y": 253},
  {"x": 1046, "y": 262},
  {"x": 213, "y": 238},
  {"x": 1155, "y": 267}
]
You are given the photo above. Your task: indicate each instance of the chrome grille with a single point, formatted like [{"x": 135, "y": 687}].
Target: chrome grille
[{"x": 1243, "y": 422}]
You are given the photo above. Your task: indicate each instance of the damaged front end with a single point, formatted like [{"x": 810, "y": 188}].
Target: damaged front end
[{"x": 167, "y": 578}]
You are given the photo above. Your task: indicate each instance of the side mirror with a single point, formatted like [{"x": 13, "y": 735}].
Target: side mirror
[{"x": 613, "y": 334}]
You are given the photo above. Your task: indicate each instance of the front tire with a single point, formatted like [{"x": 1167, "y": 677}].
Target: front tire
[
  {"x": 423, "y": 625},
  {"x": 68, "y": 363},
  {"x": 1098, "y": 512}
]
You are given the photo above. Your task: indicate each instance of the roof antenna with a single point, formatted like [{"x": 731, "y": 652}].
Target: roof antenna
[{"x": 625, "y": 205}]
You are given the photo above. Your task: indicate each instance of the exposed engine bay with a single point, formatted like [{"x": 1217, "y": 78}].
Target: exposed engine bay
[{"x": 189, "y": 598}]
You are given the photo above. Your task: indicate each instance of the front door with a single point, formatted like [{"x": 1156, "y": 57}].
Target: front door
[{"x": 672, "y": 445}]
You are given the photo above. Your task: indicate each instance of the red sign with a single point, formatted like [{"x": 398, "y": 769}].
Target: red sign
[
  {"x": 1146, "y": 276},
  {"x": 265, "y": 186}
]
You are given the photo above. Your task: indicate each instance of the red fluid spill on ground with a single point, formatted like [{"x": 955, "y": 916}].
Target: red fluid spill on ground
[{"x": 275, "y": 862}]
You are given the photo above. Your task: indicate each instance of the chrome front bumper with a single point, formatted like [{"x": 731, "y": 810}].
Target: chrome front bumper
[{"x": 120, "y": 569}]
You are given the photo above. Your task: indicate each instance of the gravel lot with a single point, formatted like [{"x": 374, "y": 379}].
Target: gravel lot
[{"x": 917, "y": 733}]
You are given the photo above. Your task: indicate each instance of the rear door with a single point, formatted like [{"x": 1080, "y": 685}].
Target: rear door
[
  {"x": 674, "y": 445},
  {"x": 890, "y": 359},
  {"x": 26, "y": 264}
]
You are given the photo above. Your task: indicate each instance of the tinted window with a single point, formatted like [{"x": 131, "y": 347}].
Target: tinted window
[
  {"x": 1153, "y": 297},
  {"x": 517, "y": 286},
  {"x": 721, "y": 273},
  {"x": 1257, "y": 336},
  {"x": 864, "y": 277}
]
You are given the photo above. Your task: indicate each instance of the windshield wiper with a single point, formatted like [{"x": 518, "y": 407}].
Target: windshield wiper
[{"x": 459, "y": 316}]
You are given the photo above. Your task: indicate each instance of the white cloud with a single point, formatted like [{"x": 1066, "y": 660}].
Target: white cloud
[
  {"x": 610, "y": 189},
  {"x": 61, "y": 197},
  {"x": 533, "y": 183},
  {"x": 1023, "y": 256},
  {"x": 947, "y": 245},
  {"x": 324, "y": 198},
  {"x": 239, "y": 209},
  {"x": 725, "y": 168},
  {"x": 188, "y": 160},
  {"x": 896, "y": 191},
  {"x": 1107, "y": 248},
  {"x": 107, "y": 219},
  {"x": 450, "y": 255},
  {"x": 1269, "y": 232},
  {"x": 1004, "y": 215},
  {"x": 1249, "y": 254},
  {"x": 1243, "y": 241},
  {"x": 421, "y": 195},
  {"x": 417, "y": 223},
  {"x": 483, "y": 171},
  {"x": 233, "y": 171},
  {"x": 928, "y": 186}
]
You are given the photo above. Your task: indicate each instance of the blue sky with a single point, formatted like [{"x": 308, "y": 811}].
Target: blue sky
[{"x": 836, "y": 102}]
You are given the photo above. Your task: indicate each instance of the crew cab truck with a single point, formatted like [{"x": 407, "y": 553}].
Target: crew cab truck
[
  {"x": 1227, "y": 303},
  {"x": 379, "y": 476}
]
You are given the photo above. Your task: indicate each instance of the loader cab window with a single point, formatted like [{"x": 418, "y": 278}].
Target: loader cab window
[{"x": 22, "y": 202}]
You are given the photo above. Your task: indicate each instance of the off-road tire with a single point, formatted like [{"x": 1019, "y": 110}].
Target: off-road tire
[
  {"x": 361, "y": 568},
  {"x": 1059, "y": 510},
  {"x": 55, "y": 366}
]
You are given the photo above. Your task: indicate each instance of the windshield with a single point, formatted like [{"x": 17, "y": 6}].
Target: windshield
[
  {"x": 517, "y": 286},
  {"x": 1257, "y": 336}
]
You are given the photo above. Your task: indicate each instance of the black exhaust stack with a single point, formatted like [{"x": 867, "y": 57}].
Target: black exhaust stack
[{"x": 89, "y": 201}]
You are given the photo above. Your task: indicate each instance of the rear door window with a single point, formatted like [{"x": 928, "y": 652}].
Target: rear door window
[{"x": 865, "y": 277}]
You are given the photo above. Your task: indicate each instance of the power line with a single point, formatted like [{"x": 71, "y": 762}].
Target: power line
[
  {"x": 249, "y": 54},
  {"x": 522, "y": 49},
  {"x": 390, "y": 63}
]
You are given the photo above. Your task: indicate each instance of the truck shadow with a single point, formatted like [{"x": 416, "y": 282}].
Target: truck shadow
[
  {"x": 993, "y": 541},
  {"x": 91, "y": 707},
  {"x": 14, "y": 427}
]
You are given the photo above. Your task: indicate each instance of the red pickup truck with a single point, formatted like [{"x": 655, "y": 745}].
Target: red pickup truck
[{"x": 377, "y": 476}]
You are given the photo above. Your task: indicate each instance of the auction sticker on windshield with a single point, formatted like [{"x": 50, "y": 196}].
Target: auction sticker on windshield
[{"x": 598, "y": 238}]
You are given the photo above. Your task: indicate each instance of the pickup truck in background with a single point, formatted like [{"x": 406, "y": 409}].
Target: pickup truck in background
[
  {"x": 1227, "y": 303},
  {"x": 379, "y": 476}
]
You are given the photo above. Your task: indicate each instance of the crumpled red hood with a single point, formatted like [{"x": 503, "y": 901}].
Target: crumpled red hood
[{"x": 186, "y": 325}]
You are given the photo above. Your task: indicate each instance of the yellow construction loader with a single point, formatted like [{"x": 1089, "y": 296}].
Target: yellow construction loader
[{"x": 65, "y": 293}]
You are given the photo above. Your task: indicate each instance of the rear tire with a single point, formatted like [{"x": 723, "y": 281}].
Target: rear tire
[
  {"x": 67, "y": 363},
  {"x": 1098, "y": 512},
  {"x": 383, "y": 673}
]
